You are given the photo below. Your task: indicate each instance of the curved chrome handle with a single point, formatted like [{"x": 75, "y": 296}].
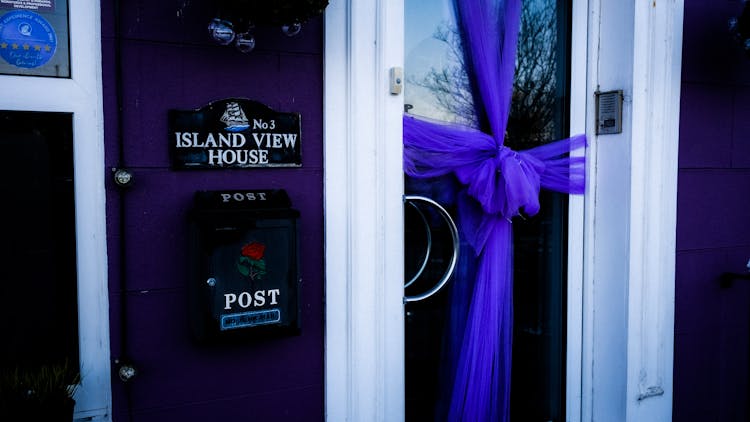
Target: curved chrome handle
[
  {"x": 454, "y": 259},
  {"x": 429, "y": 244}
]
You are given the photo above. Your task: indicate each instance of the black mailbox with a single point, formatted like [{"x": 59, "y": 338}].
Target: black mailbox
[{"x": 244, "y": 265}]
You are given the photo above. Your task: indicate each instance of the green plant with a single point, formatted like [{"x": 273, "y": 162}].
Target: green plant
[{"x": 38, "y": 393}]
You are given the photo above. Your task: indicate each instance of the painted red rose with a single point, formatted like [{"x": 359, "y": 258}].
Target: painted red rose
[{"x": 254, "y": 250}]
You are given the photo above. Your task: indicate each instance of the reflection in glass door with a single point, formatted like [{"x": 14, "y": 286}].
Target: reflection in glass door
[{"x": 437, "y": 87}]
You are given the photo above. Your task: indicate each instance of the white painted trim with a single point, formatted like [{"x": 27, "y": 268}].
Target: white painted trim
[
  {"x": 363, "y": 212},
  {"x": 576, "y": 204},
  {"x": 657, "y": 58},
  {"x": 82, "y": 96},
  {"x": 588, "y": 297},
  {"x": 630, "y": 209}
]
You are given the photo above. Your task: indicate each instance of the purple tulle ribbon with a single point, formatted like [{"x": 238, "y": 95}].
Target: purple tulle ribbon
[{"x": 498, "y": 184}]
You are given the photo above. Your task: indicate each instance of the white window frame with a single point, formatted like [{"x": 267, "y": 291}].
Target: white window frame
[
  {"x": 82, "y": 96},
  {"x": 622, "y": 232}
]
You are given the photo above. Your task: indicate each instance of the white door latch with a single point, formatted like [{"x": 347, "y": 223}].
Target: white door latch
[{"x": 397, "y": 80}]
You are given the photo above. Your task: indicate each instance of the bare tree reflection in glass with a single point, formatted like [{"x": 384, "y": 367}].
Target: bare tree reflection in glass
[{"x": 531, "y": 121}]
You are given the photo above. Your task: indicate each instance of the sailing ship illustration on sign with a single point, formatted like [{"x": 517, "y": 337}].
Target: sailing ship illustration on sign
[{"x": 234, "y": 118}]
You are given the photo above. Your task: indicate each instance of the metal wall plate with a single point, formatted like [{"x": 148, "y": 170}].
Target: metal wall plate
[{"x": 609, "y": 112}]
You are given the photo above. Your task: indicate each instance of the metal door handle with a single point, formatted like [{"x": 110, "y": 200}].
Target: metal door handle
[{"x": 410, "y": 199}]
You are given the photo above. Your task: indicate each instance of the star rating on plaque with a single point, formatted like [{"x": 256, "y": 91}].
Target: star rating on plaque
[{"x": 16, "y": 46}]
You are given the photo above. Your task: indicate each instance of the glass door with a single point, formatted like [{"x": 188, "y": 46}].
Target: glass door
[{"x": 437, "y": 87}]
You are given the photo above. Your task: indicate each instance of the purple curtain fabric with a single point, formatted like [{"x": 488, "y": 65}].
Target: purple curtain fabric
[{"x": 497, "y": 185}]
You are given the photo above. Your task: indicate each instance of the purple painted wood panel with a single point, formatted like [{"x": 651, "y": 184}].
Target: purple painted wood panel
[
  {"x": 175, "y": 372},
  {"x": 709, "y": 54},
  {"x": 741, "y": 127},
  {"x": 260, "y": 407},
  {"x": 712, "y": 208},
  {"x": 706, "y": 132},
  {"x": 712, "y": 324},
  {"x": 169, "y": 63},
  {"x": 185, "y": 22},
  {"x": 711, "y": 338},
  {"x": 696, "y": 397}
]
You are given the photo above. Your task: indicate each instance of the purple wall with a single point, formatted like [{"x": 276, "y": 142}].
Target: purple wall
[
  {"x": 169, "y": 62},
  {"x": 713, "y": 220}
]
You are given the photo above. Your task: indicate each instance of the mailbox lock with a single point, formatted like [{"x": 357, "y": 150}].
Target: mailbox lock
[{"x": 211, "y": 282}]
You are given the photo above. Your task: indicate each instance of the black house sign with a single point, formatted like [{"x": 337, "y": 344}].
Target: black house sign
[{"x": 234, "y": 133}]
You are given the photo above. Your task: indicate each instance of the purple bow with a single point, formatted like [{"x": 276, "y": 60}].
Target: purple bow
[{"x": 504, "y": 182}]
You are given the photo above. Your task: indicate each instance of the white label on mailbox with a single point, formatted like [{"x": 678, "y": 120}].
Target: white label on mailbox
[{"x": 250, "y": 319}]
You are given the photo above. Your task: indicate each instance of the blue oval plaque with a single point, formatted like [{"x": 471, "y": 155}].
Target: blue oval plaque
[{"x": 26, "y": 39}]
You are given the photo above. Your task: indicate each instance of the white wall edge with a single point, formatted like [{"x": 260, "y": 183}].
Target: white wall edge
[
  {"x": 630, "y": 209},
  {"x": 364, "y": 355},
  {"x": 657, "y": 59}
]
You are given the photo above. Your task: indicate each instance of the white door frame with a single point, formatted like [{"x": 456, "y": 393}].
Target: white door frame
[
  {"x": 82, "y": 96},
  {"x": 622, "y": 232},
  {"x": 630, "y": 212},
  {"x": 363, "y": 212}
]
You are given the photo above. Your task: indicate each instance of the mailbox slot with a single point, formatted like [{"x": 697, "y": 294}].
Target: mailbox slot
[{"x": 244, "y": 265}]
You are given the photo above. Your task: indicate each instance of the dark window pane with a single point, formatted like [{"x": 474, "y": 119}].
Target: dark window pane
[{"x": 38, "y": 296}]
